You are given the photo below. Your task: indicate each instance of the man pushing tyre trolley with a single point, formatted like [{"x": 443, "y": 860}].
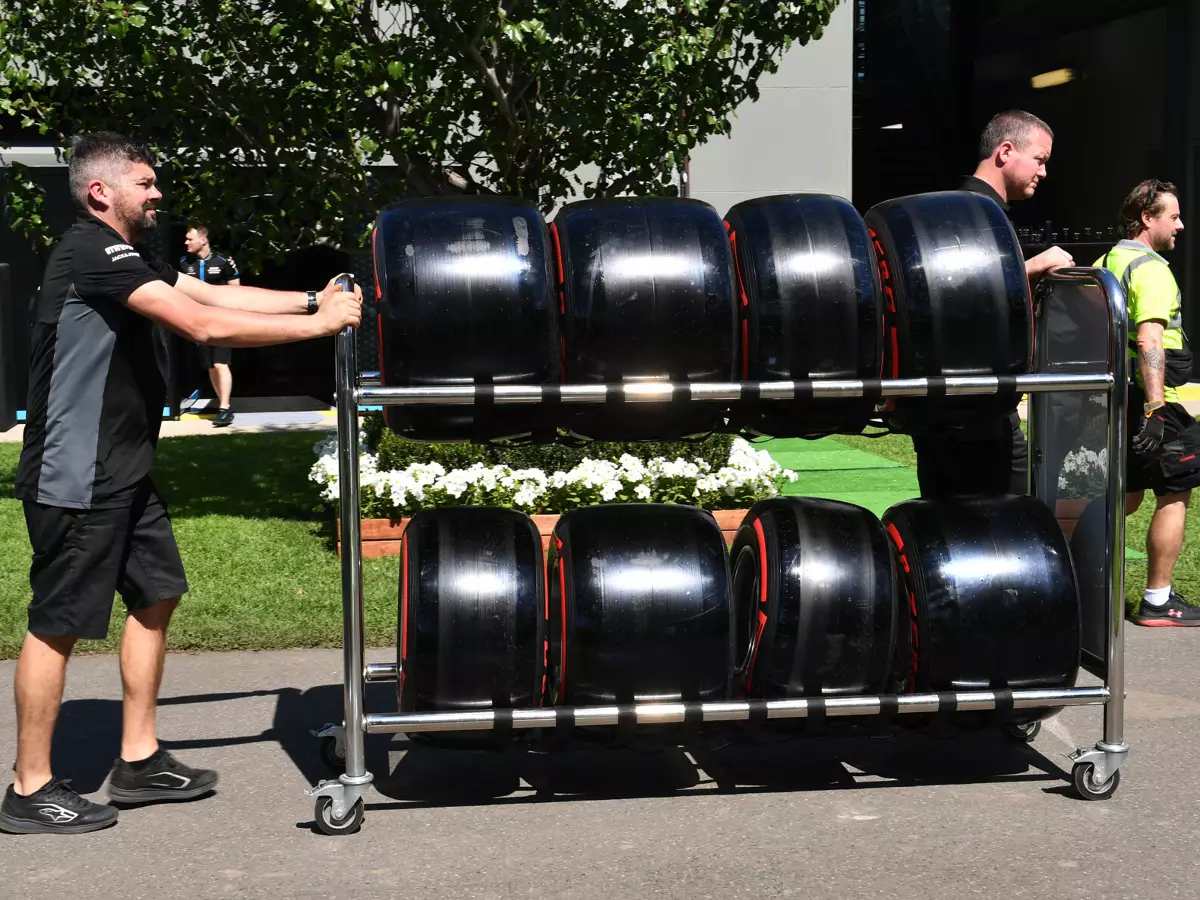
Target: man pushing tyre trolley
[{"x": 96, "y": 523}]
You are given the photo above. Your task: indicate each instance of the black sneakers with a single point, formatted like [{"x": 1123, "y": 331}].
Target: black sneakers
[
  {"x": 1175, "y": 612},
  {"x": 53, "y": 809},
  {"x": 222, "y": 418},
  {"x": 161, "y": 777}
]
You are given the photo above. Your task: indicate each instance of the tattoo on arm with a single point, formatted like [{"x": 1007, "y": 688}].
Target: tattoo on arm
[{"x": 1153, "y": 364}]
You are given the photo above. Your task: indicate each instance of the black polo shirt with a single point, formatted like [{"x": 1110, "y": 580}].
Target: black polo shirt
[
  {"x": 979, "y": 186},
  {"x": 96, "y": 381}
]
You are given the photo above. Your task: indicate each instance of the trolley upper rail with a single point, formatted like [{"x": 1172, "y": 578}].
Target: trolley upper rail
[{"x": 730, "y": 391}]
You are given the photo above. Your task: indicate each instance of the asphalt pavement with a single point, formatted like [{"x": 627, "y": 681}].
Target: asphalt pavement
[{"x": 911, "y": 816}]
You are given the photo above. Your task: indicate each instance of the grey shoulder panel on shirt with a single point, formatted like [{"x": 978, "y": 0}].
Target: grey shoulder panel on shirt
[
  {"x": 83, "y": 351},
  {"x": 1176, "y": 320}
]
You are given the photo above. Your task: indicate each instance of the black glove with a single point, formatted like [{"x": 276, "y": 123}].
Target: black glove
[{"x": 1149, "y": 440}]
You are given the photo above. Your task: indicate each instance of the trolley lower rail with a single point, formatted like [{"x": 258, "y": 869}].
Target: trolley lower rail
[{"x": 736, "y": 711}]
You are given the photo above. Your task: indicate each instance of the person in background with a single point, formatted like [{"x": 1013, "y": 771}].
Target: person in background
[
  {"x": 991, "y": 456},
  {"x": 202, "y": 262},
  {"x": 1164, "y": 440}
]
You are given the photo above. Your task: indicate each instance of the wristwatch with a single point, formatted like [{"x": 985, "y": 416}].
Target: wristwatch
[{"x": 312, "y": 302}]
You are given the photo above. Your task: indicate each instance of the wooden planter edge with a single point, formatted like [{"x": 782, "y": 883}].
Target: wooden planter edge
[{"x": 381, "y": 537}]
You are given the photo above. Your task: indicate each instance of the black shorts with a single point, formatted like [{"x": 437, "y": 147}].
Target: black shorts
[
  {"x": 1176, "y": 470},
  {"x": 990, "y": 459},
  {"x": 82, "y": 556},
  {"x": 211, "y": 356}
]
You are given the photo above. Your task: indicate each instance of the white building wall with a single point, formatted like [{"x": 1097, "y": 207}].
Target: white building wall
[{"x": 797, "y": 137}]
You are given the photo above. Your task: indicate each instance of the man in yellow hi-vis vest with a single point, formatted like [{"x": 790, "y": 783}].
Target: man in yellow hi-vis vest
[{"x": 1164, "y": 440}]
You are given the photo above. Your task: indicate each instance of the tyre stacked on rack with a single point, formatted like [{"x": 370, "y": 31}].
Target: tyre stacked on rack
[
  {"x": 992, "y": 600},
  {"x": 646, "y": 292},
  {"x": 464, "y": 296},
  {"x": 809, "y": 308},
  {"x": 817, "y": 601},
  {"x": 956, "y": 302},
  {"x": 471, "y": 633},
  {"x": 639, "y": 609}
]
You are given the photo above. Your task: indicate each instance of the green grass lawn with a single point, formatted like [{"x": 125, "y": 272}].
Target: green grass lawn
[{"x": 259, "y": 549}]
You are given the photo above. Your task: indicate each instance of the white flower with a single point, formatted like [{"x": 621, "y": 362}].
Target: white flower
[{"x": 748, "y": 473}]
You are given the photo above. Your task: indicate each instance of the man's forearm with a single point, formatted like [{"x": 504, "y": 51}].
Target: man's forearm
[
  {"x": 246, "y": 328},
  {"x": 1152, "y": 362},
  {"x": 260, "y": 300}
]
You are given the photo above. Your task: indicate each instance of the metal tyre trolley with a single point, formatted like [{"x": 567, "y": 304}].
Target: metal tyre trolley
[{"x": 1096, "y": 769}]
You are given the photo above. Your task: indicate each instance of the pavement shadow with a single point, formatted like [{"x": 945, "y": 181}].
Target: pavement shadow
[
  {"x": 900, "y": 759},
  {"x": 411, "y": 770},
  {"x": 734, "y": 761},
  {"x": 87, "y": 738}
]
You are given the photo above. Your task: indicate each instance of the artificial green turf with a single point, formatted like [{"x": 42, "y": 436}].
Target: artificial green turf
[{"x": 831, "y": 469}]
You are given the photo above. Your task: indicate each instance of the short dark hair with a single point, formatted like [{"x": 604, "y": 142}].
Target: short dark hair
[
  {"x": 196, "y": 226},
  {"x": 1147, "y": 197},
  {"x": 95, "y": 155},
  {"x": 1013, "y": 125}
]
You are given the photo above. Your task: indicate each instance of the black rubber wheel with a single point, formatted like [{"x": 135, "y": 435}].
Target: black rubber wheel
[
  {"x": 951, "y": 311},
  {"x": 330, "y": 756},
  {"x": 471, "y": 618},
  {"x": 811, "y": 307},
  {"x": 817, "y": 602},
  {"x": 647, "y": 292},
  {"x": 1024, "y": 733},
  {"x": 330, "y": 825},
  {"x": 639, "y": 607},
  {"x": 978, "y": 571},
  {"x": 1086, "y": 786},
  {"x": 464, "y": 294}
]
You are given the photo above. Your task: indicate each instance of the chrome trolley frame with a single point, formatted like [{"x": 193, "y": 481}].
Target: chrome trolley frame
[{"x": 339, "y": 802}]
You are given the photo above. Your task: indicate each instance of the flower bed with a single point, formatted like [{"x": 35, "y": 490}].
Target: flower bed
[{"x": 389, "y": 497}]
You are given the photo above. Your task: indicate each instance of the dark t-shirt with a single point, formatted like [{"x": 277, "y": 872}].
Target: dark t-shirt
[
  {"x": 96, "y": 380},
  {"x": 979, "y": 186},
  {"x": 213, "y": 269}
]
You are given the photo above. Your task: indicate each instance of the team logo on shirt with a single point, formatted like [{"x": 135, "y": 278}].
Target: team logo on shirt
[{"x": 119, "y": 251}]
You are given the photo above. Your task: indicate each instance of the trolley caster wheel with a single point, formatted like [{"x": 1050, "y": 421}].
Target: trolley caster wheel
[
  {"x": 330, "y": 755},
  {"x": 1023, "y": 734},
  {"x": 328, "y": 824},
  {"x": 1088, "y": 788}
]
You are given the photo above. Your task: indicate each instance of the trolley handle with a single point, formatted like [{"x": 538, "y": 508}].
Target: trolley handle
[
  {"x": 346, "y": 282},
  {"x": 347, "y": 342}
]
